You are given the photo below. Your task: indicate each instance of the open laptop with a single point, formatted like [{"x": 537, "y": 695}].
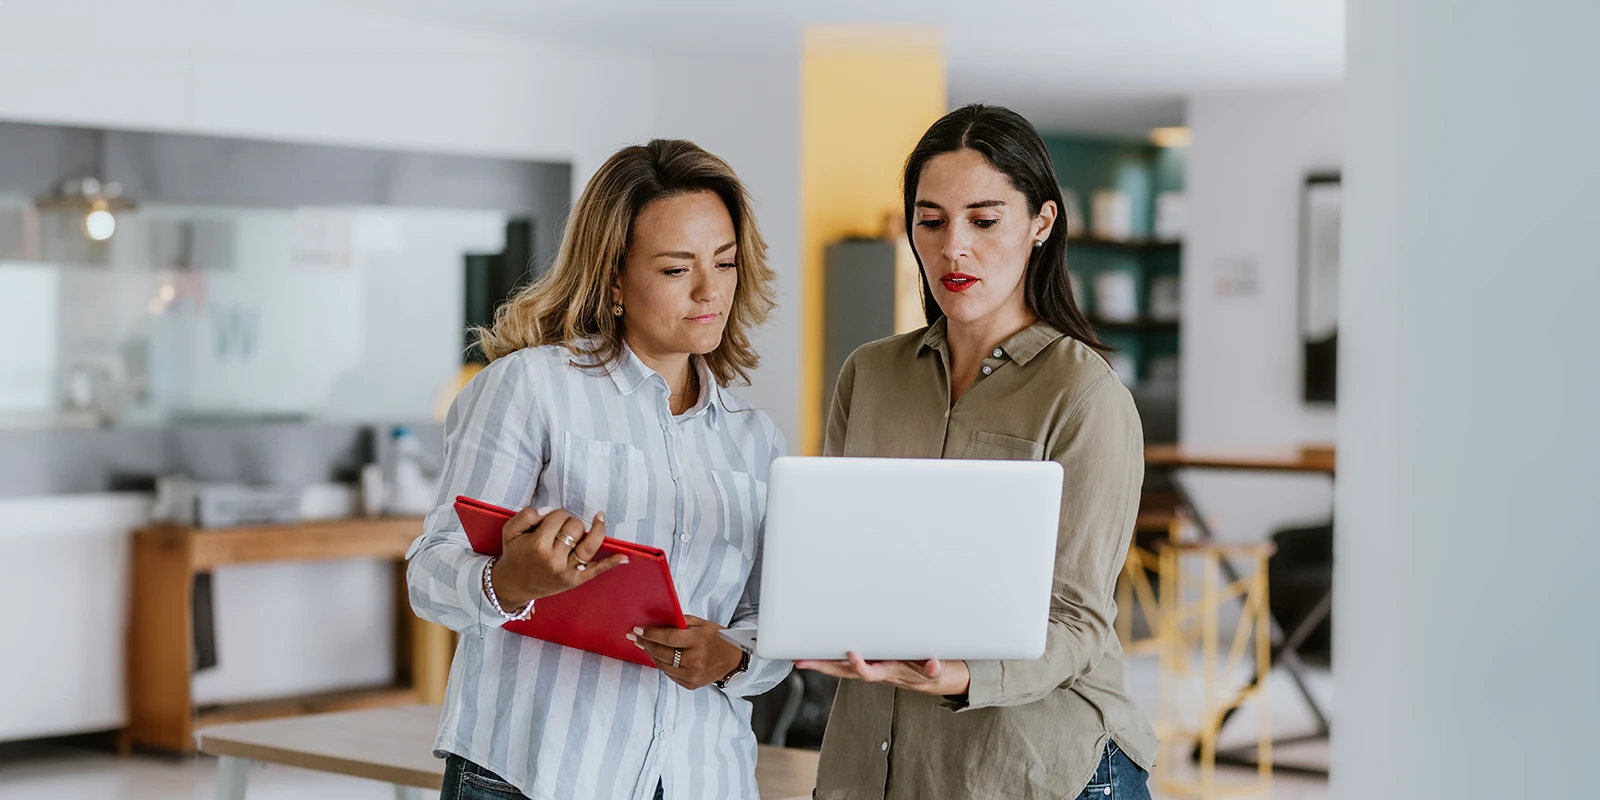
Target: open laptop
[{"x": 907, "y": 558}]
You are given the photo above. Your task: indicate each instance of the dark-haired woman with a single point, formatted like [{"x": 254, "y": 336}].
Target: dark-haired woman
[{"x": 1007, "y": 368}]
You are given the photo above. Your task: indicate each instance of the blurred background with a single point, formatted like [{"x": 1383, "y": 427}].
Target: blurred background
[{"x": 241, "y": 243}]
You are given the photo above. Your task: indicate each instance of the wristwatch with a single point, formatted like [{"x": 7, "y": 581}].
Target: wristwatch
[{"x": 744, "y": 666}]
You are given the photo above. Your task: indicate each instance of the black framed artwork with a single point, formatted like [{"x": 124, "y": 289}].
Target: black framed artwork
[{"x": 1320, "y": 207}]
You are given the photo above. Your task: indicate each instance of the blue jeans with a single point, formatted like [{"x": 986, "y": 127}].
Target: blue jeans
[
  {"x": 464, "y": 780},
  {"x": 1117, "y": 778}
]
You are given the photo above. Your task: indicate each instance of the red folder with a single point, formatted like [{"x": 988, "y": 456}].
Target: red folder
[{"x": 597, "y": 615}]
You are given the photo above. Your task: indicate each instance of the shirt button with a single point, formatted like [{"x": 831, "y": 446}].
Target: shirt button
[
  {"x": 885, "y": 747},
  {"x": 987, "y": 370},
  {"x": 684, "y": 538},
  {"x": 998, "y": 352}
]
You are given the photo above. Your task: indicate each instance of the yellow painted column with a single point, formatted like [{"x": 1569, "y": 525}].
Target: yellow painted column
[{"x": 867, "y": 95}]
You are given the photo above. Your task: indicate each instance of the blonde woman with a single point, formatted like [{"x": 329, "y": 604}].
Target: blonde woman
[{"x": 603, "y": 412}]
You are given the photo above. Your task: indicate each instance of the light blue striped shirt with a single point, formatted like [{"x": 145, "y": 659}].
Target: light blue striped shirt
[{"x": 531, "y": 429}]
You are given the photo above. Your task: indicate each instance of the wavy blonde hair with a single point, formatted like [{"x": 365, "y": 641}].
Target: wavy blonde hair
[{"x": 570, "y": 306}]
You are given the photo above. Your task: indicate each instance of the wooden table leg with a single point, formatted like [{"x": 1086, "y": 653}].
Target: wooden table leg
[
  {"x": 233, "y": 776},
  {"x": 160, "y": 644},
  {"x": 424, "y": 649},
  {"x": 434, "y": 647}
]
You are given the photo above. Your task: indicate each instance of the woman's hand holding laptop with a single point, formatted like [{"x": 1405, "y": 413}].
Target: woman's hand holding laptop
[{"x": 944, "y": 678}]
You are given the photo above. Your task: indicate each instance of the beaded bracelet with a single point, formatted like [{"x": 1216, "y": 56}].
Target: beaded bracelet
[{"x": 488, "y": 591}]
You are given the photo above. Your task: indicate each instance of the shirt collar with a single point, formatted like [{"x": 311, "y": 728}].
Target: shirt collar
[
  {"x": 630, "y": 373},
  {"x": 711, "y": 400},
  {"x": 1021, "y": 347},
  {"x": 933, "y": 338}
]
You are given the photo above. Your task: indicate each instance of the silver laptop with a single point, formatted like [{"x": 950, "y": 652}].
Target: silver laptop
[{"x": 908, "y": 558}]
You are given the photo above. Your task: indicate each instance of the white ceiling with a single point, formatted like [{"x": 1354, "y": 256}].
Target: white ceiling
[{"x": 1109, "y": 66}]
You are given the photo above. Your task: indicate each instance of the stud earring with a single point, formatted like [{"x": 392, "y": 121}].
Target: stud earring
[
  {"x": 616, "y": 309},
  {"x": 1038, "y": 243}
]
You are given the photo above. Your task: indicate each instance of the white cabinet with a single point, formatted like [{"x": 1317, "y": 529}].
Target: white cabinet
[
  {"x": 64, "y": 587},
  {"x": 65, "y": 569}
]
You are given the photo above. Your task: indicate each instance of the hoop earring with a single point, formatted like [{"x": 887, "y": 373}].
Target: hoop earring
[{"x": 616, "y": 309}]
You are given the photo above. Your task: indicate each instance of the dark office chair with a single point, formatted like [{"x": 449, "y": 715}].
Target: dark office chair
[
  {"x": 1300, "y": 575},
  {"x": 795, "y": 712}
]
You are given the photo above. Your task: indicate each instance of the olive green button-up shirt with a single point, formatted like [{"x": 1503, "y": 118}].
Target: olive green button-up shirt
[{"x": 1033, "y": 729}]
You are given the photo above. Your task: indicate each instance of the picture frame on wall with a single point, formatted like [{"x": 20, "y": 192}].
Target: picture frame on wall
[{"x": 1320, "y": 222}]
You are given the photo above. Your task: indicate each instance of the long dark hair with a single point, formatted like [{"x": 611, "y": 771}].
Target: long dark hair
[{"x": 1011, "y": 145}]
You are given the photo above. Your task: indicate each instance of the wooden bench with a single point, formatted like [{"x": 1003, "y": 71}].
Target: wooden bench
[{"x": 395, "y": 746}]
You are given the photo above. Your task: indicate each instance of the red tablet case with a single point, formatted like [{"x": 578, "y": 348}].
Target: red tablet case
[{"x": 597, "y": 615}]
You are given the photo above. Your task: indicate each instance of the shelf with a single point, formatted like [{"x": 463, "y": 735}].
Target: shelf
[
  {"x": 1124, "y": 244},
  {"x": 1156, "y": 522},
  {"x": 1136, "y": 326}
]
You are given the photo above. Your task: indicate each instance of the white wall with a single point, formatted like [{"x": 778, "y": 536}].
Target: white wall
[
  {"x": 409, "y": 352},
  {"x": 64, "y": 576},
  {"x": 29, "y": 318},
  {"x": 325, "y": 72},
  {"x": 1467, "y": 644},
  {"x": 318, "y": 72},
  {"x": 1241, "y": 351},
  {"x": 748, "y": 112}
]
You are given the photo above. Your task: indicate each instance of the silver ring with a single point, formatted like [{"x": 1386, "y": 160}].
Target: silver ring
[
  {"x": 568, "y": 541},
  {"x": 677, "y": 658},
  {"x": 582, "y": 566}
]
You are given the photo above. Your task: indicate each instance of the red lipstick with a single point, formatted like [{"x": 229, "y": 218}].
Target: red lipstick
[{"x": 958, "y": 281}]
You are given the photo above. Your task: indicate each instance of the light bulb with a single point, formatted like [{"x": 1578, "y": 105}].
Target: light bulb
[{"x": 99, "y": 224}]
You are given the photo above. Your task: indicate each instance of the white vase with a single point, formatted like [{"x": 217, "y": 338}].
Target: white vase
[
  {"x": 1113, "y": 214},
  {"x": 1116, "y": 297}
]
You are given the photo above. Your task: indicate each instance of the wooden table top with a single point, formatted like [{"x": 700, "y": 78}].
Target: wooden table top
[
  {"x": 395, "y": 745},
  {"x": 208, "y": 548},
  {"x": 1261, "y": 459}
]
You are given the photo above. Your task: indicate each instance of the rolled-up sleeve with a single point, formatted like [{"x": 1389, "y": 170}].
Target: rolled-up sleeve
[
  {"x": 494, "y": 442},
  {"x": 1100, "y": 446}
]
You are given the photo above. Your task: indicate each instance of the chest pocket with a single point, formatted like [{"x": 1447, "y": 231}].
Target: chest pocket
[
  {"x": 742, "y": 506},
  {"x": 999, "y": 447},
  {"x": 603, "y": 476}
]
